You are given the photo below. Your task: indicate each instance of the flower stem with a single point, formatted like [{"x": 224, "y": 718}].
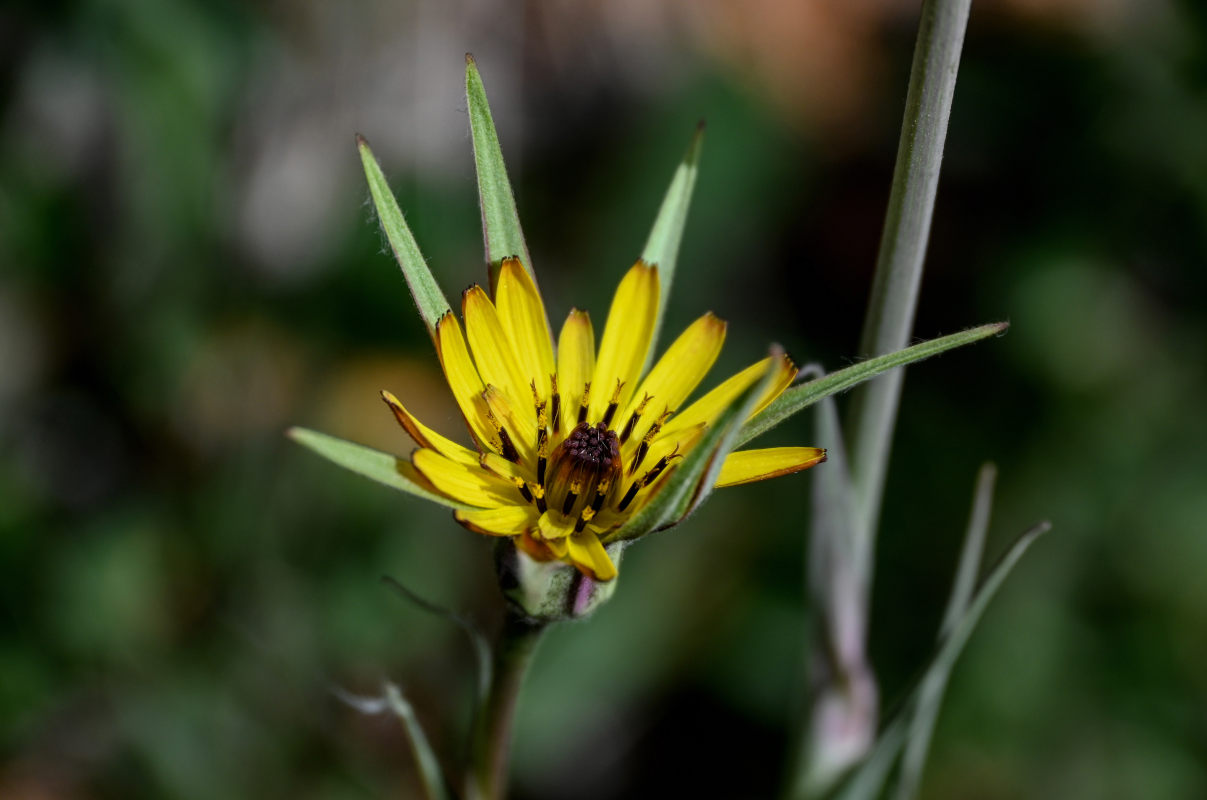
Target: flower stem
[
  {"x": 491, "y": 743},
  {"x": 911, "y": 205}
]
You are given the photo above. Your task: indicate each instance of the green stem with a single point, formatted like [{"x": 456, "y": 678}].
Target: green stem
[
  {"x": 894, "y": 298},
  {"x": 491, "y": 743}
]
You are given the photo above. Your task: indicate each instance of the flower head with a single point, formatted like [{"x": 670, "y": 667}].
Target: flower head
[
  {"x": 576, "y": 448},
  {"x": 572, "y": 442}
]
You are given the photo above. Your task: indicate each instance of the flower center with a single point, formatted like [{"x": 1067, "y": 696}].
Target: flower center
[{"x": 584, "y": 470}]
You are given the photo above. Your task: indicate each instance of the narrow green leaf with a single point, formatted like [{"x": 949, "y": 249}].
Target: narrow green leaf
[
  {"x": 662, "y": 246},
  {"x": 695, "y": 475},
  {"x": 373, "y": 464},
  {"x": 429, "y": 766},
  {"x": 888, "y": 746},
  {"x": 432, "y": 777},
  {"x": 500, "y": 221},
  {"x": 477, "y": 639},
  {"x": 804, "y": 395},
  {"x": 930, "y": 693},
  {"x": 428, "y": 297}
]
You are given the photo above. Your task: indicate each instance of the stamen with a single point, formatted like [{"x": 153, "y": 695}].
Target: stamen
[
  {"x": 583, "y": 519},
  {"x": 506, "y": 447},
  {"x": 571, "y": 496},
  {"x": 542, "y": 455},
  {"x": 556, "y": 404},
  {"x": 649, "y": 477},
  {"x": 524, "y": 490},
  {"x": 629, "y": 495},
  {"x": 584, "y": 403},
  {"x": 612, "y": 404},
  {"x": 539, "y": 493},
  {"x": 632, "y": 423},
  {"x": 644, "y": 447}
]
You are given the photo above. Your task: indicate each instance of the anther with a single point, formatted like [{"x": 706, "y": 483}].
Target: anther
[
  {"x": 539, "y": 493},
  {"x": 612, "y": 404},
  {"x": 584, "y": 403},
  {"x": 506, "y": 447},
  {"x": 633, "y": 419},
  {"x": 571, "y": 496},
  {"x": 629, "y": 495},
  {"x": 542, "y": 455},
  {"x": 525, "y": 492},
  {"x": 555, "y": 404}
]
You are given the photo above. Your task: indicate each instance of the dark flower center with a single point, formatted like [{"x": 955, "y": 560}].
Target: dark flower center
[{"x": 584, "y": 470}]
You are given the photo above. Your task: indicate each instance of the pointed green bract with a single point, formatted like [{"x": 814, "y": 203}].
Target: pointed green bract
[
  {"x": 693, "y": 479},
  {"x": 374, "y": 464},
  {"x": 500, "y": 221},
  {"x": 662, "y": 246},
  {"x": 428, "y": 297},
  {"x": 867, "y": 781},
  {"x": 800, "y": 397}
]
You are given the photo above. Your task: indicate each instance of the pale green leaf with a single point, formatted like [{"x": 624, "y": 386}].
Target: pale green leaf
[
  {"x": 864, "y": 786},
  {"x": 804, "y": 395},
  {"x": 373, "y": 464},
  {"x": 428, "y": 297},
  {"x": 662, "y": 246},
  {"x": 695, "y": 475},
  {"x": 500, "y": 221},
  {"x": 930, "y": 693}
]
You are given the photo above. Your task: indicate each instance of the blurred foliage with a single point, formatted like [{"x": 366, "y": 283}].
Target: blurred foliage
[{"x": 188, "y": 267}]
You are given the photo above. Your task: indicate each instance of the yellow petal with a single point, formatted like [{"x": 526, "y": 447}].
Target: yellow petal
[
  {"x": 425, "y": 436},
  {"x": 522, "y": 315},
  {"x": 555, "y": 526},
  {"x": 492, "y": 348},
  {"x": 473, "y": 486},
  {"x": 677, "y": 373},
  {"x": 575, "y": 363},
  {"x": 626, "y": 338},
  {"x": 497, "y": 465},
  {"x": 463, "y": 379},
  {"x": 710, "y": 405},
  {"x": 505, "y": 521},
  {"x": 587, "y": 551},
  {"x": 747, "y": 466},
  {"x": 520, "y": 426},
  {"x": 558, "y": 547}
]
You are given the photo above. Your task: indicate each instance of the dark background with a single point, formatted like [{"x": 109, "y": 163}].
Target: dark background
[{"x": 189, "y": 266}]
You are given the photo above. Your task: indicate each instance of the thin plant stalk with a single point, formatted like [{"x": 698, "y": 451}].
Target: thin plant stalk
[
  {"x": 490, "y": 747},
  {"x": 838, "y": 736},
  {"x": 894, "y": 299}
]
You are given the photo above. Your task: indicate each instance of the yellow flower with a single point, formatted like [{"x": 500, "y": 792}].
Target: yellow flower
[{"x": 573, "y": 441}]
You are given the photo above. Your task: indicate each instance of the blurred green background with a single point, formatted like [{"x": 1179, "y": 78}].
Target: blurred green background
[{"x": 189, "y": 265}]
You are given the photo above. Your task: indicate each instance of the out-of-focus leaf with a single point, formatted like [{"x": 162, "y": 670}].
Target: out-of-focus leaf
[
  {"x": 930, "y": 692},
  {"x": 430, "y": 774},
  {"x": 501, "y": 229},
  {"x": 382, "y": 467},
  {"x": 662, "y": 246},
  {"x": 695, "y": 475},
  {"x": 477, "y": 639},
  {"x": 428, "y": 297},
  {"x": 804, "y": 395},
  {"x": 867, "y": 781}
]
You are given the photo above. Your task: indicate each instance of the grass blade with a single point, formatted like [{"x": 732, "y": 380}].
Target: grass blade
[
  {"x": 424, "y": 289},
  {"x": 382, "y": 467},
  {"x": 803, "y": 395},
  {"x": 930, "y": 693},
  {"x": 890, "y": 742}
]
